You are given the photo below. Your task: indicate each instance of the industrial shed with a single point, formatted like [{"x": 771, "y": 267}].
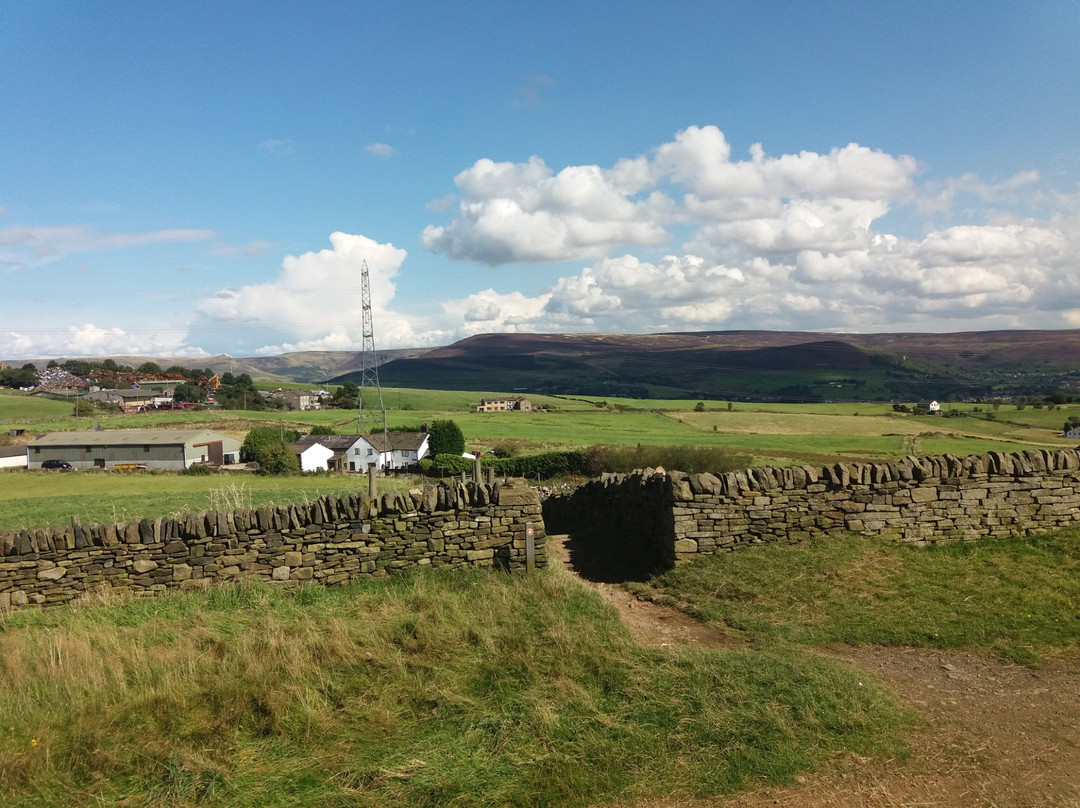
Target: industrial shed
[{"x": 141, "y": 448}]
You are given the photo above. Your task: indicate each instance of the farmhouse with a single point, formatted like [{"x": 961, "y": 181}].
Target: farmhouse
[
  {"x": 301, "y": 400},
  {"x": 324, "y": 452},
  {"x": 144, "y": 448},
  {"x": 928, "y": 408},
  {"x": 402, "y": 450},
  {"x": 519, "y": 404},
  {"x": 12, "y": 457}
]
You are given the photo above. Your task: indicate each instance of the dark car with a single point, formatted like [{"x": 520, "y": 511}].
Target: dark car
[{"x": 57, "y": 465}]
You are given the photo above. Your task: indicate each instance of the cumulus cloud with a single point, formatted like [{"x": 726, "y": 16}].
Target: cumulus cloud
[
  {"x": 525, "y": 212},
  {"x": 790, "y": 241},
  {"x": 316, "y": 301}
]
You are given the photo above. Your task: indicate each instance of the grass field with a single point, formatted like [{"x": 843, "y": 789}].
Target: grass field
[
  {"x": 424, "y": 690},
  {"x": 1018, "y": 598},
  {"x": 33, "y": 499},
  {"x": 770, "y": 434}
]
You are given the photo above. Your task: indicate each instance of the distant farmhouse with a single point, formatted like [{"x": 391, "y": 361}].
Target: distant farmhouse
[
  {"x": 400, "y": 450},
  {"x": 297, "y": 399},
  {"x": 519, "y": 404},
  {"x": 142, "y": 448},
  {"x": 928, "y": 408}
]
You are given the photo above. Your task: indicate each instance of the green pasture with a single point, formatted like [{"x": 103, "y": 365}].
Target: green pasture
[
  {"x": 772, "y": 433},
  {"x": 32, "y": 499},
  {"x": 1013, "y": 597}
]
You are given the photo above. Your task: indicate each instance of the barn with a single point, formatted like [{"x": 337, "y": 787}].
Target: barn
[{"x": 139, "y": 448}]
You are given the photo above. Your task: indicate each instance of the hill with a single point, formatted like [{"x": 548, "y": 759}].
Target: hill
[{"x": 780, "y": 365}]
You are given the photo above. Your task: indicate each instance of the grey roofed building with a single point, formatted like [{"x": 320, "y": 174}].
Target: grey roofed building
[
  {"x": 12, "y": 457},
  {"x": 148, "y": 448}
]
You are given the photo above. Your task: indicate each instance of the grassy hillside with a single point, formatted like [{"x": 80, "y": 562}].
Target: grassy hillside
[
  {"x": 1017, "y": 598},
  {"x": 454, "y": 689}
]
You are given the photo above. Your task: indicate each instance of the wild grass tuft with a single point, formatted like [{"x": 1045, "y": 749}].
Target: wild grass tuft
[{"x": 434, "y": 689}]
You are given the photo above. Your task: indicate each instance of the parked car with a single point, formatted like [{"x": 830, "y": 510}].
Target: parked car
[{"x": 57, "y": 465}]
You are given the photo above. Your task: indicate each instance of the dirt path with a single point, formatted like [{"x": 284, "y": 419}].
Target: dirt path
[{"x": 994, "y": 734}]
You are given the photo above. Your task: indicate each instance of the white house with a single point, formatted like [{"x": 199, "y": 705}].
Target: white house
[
  {"x": 324, "y": 452},
  {"x": 931, "y": 407},
  {"x": 404, "y": 450}
]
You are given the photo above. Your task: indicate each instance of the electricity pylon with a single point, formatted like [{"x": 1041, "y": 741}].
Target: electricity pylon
[{"x": 369, "y": 372}]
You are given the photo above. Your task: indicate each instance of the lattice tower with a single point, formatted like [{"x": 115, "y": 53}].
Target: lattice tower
[{"x": 368, "y": 418}]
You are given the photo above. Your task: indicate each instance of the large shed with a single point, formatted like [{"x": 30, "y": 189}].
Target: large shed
[{"x": 142, "y": 448}]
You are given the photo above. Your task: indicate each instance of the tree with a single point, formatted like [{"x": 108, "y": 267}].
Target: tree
[
  {"x": 346, "y": 397},
  {"x": 445, "y": 437},
  {"x": 278, "y": 458},
  {"x": 148, "y": 367},
  {"x": 699, "y": 407},
  {"x": 261, "y": 437},
  {"x": 321, "y": 430},
  {"x": 193, "y": 393}
]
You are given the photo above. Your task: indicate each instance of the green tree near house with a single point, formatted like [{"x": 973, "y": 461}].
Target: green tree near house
[
  {"x": 445, "y": 437},
  {"x": 269, "y": 447}
]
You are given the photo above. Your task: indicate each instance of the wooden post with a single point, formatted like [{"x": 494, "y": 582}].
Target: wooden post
[
  {"x": 530, "y": 549},
  {"x": 372, "y": 485}
]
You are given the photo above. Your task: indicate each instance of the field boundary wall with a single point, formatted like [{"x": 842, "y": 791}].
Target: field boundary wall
[
  {"x": 675, "y": 517},
  {"x": 329, "y": 541}
]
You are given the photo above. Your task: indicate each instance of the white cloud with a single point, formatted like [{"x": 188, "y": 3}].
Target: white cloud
[
  {"x": 383, "y": 151},
  {"x": 316, "y": 303},
  {"x": 91, "y": 340},
  {"x": 790, "y": 241},
  {"x": 277, "y": 147},
  {"x": 524, "y": 212},
  {"x": 22, "y": 245}
]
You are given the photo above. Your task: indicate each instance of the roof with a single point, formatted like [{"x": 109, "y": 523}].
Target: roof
[
  {"x": 130, "y": 437},
  {"x": 401, "y": 441},
  {"x": 12, "y": 451},
  {"x": 337, "y": 443}
]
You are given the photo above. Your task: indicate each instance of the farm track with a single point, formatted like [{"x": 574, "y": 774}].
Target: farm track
[{"x": 992, "y": 733}]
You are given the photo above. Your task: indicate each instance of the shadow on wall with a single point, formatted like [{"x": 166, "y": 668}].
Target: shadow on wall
[{"x": 604, "y": 553}]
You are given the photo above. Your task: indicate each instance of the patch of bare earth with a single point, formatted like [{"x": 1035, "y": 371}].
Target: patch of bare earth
[{"x": 993, "y": 734}]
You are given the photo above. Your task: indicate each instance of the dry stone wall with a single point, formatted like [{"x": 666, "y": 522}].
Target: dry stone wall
[
  {"x": 917, "y": 499},
  {"x": 329, "y": 541}
]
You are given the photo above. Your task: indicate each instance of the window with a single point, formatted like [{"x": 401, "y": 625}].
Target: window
[
  {"x": 370, "y": 452},
  {"x": 146, "y": 448}
]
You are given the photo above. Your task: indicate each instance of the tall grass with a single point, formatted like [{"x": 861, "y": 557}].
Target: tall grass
[
  {"x": 457, "y": 689},
  {"x": 1018, "y": 598}
]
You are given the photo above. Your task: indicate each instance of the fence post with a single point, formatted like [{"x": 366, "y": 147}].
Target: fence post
[
  {"x": 530, "y": 549},
  {"x": 372, "y": 485},
  {"x": 476, "y": 471}
]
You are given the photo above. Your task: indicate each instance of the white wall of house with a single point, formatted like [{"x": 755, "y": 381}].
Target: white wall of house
[{"x": 315, "y": 458}]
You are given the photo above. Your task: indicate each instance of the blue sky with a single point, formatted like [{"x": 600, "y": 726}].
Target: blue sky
[{"x": 200, "y": 178}]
